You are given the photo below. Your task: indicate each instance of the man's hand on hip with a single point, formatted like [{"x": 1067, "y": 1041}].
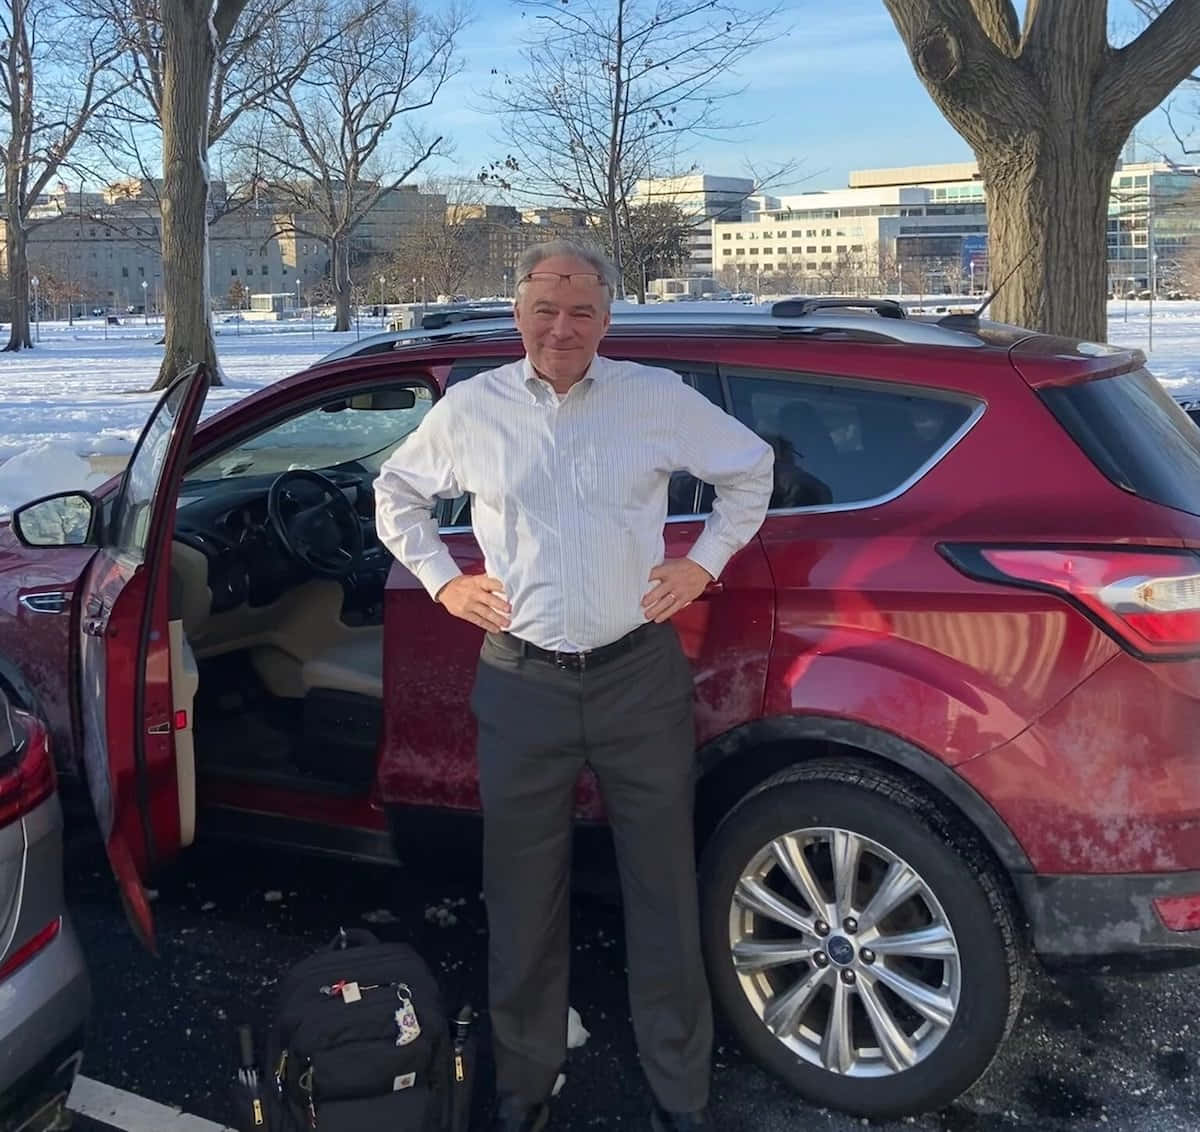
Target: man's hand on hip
[
  {"x": 477, "y": 599},
  {"x": 679, "y": 582}
]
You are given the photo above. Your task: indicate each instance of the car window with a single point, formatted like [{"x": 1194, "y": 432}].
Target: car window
[
  {"x": 143, "y": 475},
  {"x": 685, "y": 494},
  {"x": 469, "y": 367},
  {"x": 455, "y": 514},
  {"x": 340, "y": 431},
  {"x": 1135, "y": 434},
  {"x": 841, "y": 443}
]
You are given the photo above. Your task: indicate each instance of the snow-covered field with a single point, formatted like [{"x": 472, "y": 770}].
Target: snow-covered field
[{"x": 71, "y": 409}]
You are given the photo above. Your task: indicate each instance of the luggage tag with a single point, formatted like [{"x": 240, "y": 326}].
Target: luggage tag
[{"x": 408, "y": 1029}]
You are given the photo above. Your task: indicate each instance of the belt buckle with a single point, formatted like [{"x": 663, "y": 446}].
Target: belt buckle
[{"x": 571, "y": 661}]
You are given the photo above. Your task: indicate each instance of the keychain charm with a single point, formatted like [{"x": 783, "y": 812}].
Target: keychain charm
[{"x": 408, "y": 1029}]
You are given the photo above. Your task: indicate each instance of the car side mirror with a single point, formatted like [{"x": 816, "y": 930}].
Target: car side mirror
[{"x": 67, "y": 519}]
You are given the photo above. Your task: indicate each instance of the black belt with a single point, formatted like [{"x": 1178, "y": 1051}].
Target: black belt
[{"x": 576, "y": 661}]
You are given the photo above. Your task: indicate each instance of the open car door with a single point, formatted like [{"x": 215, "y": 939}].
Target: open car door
[{"x": 129, "y": 717}]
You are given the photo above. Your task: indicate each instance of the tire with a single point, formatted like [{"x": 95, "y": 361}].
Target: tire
[{"x": 968, "y": 984}]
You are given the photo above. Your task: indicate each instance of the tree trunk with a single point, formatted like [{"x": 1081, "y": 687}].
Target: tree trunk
[
  {"x": 189, "y": 59},
  {"x": 339, "y": 258},
  {"x": 1046, "y": 104},
  {"x": 1053, "y": 256},
  {"x": 18, "y": 280}
]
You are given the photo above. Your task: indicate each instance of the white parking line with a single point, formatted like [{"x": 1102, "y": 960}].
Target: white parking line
[{"x": 130, "y": 1112}]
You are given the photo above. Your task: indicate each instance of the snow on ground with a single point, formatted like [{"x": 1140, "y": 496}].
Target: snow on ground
[{"x": 71, "y": 409}]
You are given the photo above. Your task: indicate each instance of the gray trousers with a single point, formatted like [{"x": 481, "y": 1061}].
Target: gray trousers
[{"x": 631, "y": 720}]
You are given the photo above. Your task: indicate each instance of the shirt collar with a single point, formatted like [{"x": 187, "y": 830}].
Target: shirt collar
[{"x": 538, "y": 386}]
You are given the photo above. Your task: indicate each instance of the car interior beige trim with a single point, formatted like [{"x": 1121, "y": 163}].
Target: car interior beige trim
[{"x": 184, "y": 682}]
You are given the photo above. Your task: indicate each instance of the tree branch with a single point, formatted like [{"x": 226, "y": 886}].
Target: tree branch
[
  {"x": 980, "y": 89},
  {"x": 998, "y": 19},
  {"x": 1145, "y": 71}
]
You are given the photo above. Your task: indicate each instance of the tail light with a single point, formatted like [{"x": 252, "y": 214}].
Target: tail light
[
  {"x": 1148, "y": 599},
  {"x": 30, "y": 948},
  {"x": 26, "y": 768}
]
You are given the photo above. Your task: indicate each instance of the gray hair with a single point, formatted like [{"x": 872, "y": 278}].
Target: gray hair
[{"x": 538, "y": 253}]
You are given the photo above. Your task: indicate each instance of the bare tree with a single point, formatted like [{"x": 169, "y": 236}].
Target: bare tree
[
  {"x": 655, "y": 238},
  {"x": 193, "y": 35},
  {"x": 48, "y": 101},
  {"x": 447, "y": 246},
  {"x": 615, "y": 91},
  {"x": 196, "y": 69},
  {"x": 1046, "y": 105},
  {"x": 1185, "y": 135},
  {"x": 328, "y": 149},
  {"x": 1188, "y": 269}
]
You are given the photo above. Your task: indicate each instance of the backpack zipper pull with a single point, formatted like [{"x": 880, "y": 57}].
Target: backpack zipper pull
[
  {"x": 462, "y": 1025},
  {"x": 305, "y": 1085},
  {"x": 281, "y": 1072}
]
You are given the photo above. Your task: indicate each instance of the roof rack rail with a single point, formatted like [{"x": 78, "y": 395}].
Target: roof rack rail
[
  {"x": 702, "y": 319},
  {"x": 435, "y": 320},
  {"x": 802, "y": 308}
]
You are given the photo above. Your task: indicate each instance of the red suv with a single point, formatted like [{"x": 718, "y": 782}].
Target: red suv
[{"x": 947, "y": 699}]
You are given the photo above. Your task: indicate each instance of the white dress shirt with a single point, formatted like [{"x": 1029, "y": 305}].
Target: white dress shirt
[{"x": 569, "y": 494}]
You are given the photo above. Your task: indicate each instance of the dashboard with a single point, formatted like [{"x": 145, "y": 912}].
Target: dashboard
[{"x": 226, "y": 521}]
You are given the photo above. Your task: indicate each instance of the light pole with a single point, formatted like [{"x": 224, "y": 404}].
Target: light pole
[
  {"x": 1153, "y": 285},
  {"x": 382, "y": 305},
  {"x": 145, "y": 309},
  {"x": 422, "y": 294},
  {"x": 972, "y": 277},
  {"x": 414, "y": 289},
  {"x": 899, "y": 278},
  {"x": 33, "y": 282}
]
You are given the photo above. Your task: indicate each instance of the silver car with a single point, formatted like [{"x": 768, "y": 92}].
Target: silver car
[{"x": 44, "y": 991}]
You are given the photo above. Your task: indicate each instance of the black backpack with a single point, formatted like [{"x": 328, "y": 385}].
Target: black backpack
[{"x": 360, "y": 1043}]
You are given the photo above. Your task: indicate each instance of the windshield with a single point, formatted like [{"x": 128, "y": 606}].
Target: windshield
[{"x": 363, "y": 429}]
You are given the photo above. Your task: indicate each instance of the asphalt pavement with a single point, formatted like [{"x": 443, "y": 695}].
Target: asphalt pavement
[{"x": 1112, "y": 1051}]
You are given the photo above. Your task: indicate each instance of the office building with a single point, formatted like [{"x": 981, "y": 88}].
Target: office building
[{"x": 702, "y": 198}]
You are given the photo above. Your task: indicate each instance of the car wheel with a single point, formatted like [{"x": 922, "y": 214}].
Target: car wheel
[{"x": 861, "y": 944}]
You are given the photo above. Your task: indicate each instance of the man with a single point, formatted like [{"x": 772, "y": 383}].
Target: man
[{"x": 567, "y": 457}]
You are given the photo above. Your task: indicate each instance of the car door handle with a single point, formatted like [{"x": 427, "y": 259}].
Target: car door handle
[
  {"x": 713, "y": 588},
  {"x": 54, "y": 602}
]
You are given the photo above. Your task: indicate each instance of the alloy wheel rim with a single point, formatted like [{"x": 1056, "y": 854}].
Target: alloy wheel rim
[{"x": 844, "y": 952}]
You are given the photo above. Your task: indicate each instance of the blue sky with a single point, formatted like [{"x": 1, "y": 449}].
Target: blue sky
[{"x": 836, "y": 92}]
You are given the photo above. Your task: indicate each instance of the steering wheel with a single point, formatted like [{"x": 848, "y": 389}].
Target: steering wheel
[{"x": 315, "y": 522}]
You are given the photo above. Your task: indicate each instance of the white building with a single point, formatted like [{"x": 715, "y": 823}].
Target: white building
[
  {"x": 924, "y": 227},
  {"x": 885, "y": 232},
  {"x": 703, "y": 197}
]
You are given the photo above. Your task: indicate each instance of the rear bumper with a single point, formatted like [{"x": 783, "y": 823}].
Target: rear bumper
[
  {"x": 1090, "y": 917},
  {"x": 44, "y": 1008}
]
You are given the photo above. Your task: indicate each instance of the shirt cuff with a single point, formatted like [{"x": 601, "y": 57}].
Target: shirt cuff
[
  {"x": 709, "y": 552},
  {"x": 434, "y": 573}
]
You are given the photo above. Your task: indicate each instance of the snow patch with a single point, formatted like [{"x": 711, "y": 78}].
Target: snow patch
[
  {"x": 577, "y": 1034},
  {"x": 45, "y": 468},
  {"x": 381, "y": 916}
]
